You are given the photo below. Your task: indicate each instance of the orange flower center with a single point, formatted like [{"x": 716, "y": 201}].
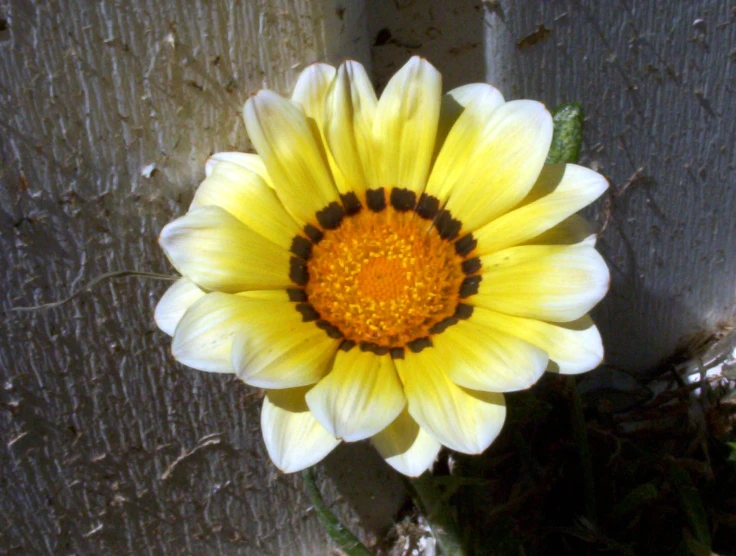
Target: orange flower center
[{"x": 384, "y": 278}]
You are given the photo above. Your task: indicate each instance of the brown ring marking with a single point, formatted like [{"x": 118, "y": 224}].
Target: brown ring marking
[
  {"x": 447, "y": 226},
  {"x": 298, "y": 272},
  {"x": 403, "y": 200},
  {"x": 296, "y": 294},
  {"x": 351, "y": 203},
  {"x": 301, "y": 247},
  {"x": 373, "y": 348},
  {"x": 465, "y": 245},
  {"x": 397, "y": 353},
  {"x": 471, "y": 266},
  {"x": 331, "y": 216},
  {"x": 428, "y": 206},
  {"x": 308, "y": 312},
  {"x": 419, "y": 344},
  {"x": 346, "y": 345},
  {"x": 444, "y": 324},
  {"x": 313, "y": 233},
  {"x": 463, "y": 311},
  {"x": 331, "y": 330},
  {"x": 376, "y": 199},
  {"x": 470, "y": 286}
]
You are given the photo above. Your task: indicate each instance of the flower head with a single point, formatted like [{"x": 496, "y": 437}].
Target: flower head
[{"x": 386, "y": 268}]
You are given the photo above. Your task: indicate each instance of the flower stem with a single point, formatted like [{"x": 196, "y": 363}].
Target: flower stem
[
  {"x": 347, "y": 542},
  {"x": 580, "y": 437}
]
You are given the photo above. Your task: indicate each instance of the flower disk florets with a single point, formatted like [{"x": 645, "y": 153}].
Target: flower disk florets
[{"x": 385, "y": 278}]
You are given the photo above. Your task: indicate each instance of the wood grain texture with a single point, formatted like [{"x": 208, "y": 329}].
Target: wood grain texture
[
  {"x": 109, "y": 447},
  {"x": 656, "y": 80}
]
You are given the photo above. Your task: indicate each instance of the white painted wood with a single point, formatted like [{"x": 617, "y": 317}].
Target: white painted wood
[
  {"x": 656, "y": 80},
  {"x": 108, "y": 112}
]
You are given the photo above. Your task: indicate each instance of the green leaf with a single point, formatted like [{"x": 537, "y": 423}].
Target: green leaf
[
  {"x": 568, "y": 134},
  {"x": 638, "y": 497},
  {"x": 732, "y": 455},
  {"x": 347, "y": 542},
  {"x": 691, "y": 505},
  {"x": 690, "y": 547}
]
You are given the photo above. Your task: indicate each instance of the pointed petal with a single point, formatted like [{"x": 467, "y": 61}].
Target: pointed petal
[
  {"x": 311, "y": 93},
  {"x": 292, "y": 150},
  {"x": 482, "y": 358},
  {"x": 248, "y": 161},
  {"x": 406, "y": 125},
  {"x": 558, "y": 284},
  {"x": 349, "y": 115},
  {"x": 275, "y": 348},
  {"x": 174, "y": 303},
  {"x": 217, "y": 251},
  {"x": 311, "y": 88},
  {"x": 574, "y": 347},
  {"x": 361, "y": 396},
  {"x": 560, "y": 191},
  {"x": 464, "y": 420},
  {"x": 491, "y": 158},
  {"x": 477, "y": 92},
  {"x": 293, "y": 437},
  {"x": 454, "y": 102},
  {"x": 406, "y": 446},
  {"x": 204, "y": 338},
  {"x": 247, "y": 196}
]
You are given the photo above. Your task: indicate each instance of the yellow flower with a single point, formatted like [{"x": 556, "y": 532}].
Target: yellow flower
[{"x": 386, "y": 268}]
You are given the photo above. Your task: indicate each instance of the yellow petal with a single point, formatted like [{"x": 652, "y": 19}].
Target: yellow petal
[
  {"x": 477, "y": 92},
  {"x": 174, "y": 303},
  {"x": 311, "y": 88},
  {"x": 406, "y": 446},
  {"x": 574, "y": 347},
  {"x": 275, "y": 348},
  {"x": 293, "y": 437},
  {"x": 488, "y": 359},
  {"x": 405, "y": 127},
  {"x": 310, "y": 93},
  {"x": 217, "y": 251},
  {"x": 248, "y": 161},
  {"x": 348, "y": 122},
  {"x": 361, "y": 396},
  {"x": 491, "y": 158},
  {"x": 571, "y": 231},
  {"x": 453, "y": 104},
  {"x": 560, "y": 191},
  {"x": 204, "y": 337},
  {"x": 292, "y": 150},
  {"x": 558, "y": 284},
  {"x": 464, "y": 420},
  {"x": 247, "y": 196}
]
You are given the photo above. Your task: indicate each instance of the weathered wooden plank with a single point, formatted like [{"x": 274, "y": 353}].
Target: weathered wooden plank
[
  {"x": 656, "y": 80},
  {"x": 109, "y": 447}
]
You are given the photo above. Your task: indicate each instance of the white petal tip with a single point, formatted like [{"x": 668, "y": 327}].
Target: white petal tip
[{"x": 174, "y": 303}]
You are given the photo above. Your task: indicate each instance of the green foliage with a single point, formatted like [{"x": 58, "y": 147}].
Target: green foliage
[
  {"x": 568, "y": 134},
  {"x": 659, "y": 487},
  {"x": 347, "y": 542}
]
